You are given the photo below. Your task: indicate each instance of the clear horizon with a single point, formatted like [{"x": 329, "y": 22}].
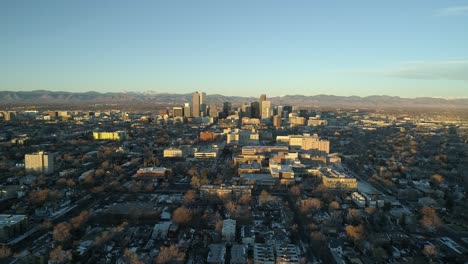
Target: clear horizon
[{"x": 399, "y": 48}]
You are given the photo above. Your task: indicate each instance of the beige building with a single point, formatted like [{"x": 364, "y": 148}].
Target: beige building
[
  {"x": 253, "y": 150},
  {"x": 306, "y": 142},
  {"x": 153, "y": 172},
  {"x": 317, "y": 122},
  {"x": 206, "y": 153},
  {"x": 333, "y": 179},
  {"x": 266, "y": 109},
  {"x": 41, "y": 162},
  {"x": 243, "y": 137},
  {"x": 248, "y": 159},
  {"x": 172, "y": 153},
  {"x": 222, "y": 192},
  {"x": 117, "y": 135},
  {"x": 296, "y": 121}
]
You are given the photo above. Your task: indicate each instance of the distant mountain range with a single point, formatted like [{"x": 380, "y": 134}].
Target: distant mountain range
[{"x": 39, "y": 97}]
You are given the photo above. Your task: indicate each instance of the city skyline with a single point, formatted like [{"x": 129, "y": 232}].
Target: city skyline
[{"x": 415, "y": 49}]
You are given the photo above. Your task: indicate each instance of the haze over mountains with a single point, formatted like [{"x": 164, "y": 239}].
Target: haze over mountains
[{"x": 153, "y": 98}]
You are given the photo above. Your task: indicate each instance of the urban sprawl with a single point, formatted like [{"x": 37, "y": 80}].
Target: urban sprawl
[{"x": 254, "y": 183}]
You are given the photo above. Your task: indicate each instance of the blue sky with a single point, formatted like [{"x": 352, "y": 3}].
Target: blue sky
[{"x": 402, "y": 48}]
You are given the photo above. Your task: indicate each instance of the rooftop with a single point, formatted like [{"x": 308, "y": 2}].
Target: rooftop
[
  {"x": 152, "y": 169},
  {"x": 6, "y": 220}
]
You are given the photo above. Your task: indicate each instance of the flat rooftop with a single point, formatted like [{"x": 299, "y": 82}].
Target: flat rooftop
[
  {"x": 6, "y": 220},
  {"x": 152, "y": 169}
]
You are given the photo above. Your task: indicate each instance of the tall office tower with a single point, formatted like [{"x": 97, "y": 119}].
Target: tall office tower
[
  {"x": 246, "y": 110},
  {"x": 266, "y": 109},
  {"x": 255, "y": 109},
  {"x": 164, "y": 112},
  {"x": 262, "y": 99},
  {"x": 196, "y": 104},
  {"x": 279, "y": 110},
  {"x": 287, "y": 109},
  {"x": 203, "y": 106},
  {"x": 8, "y": 116},
  {"x": 227, "y": 108},
  {"x": 187, "y": 110},
  {"x": 177, "y": 111},
  {"x": 277, "y": 121},
  {"x": 213, "y": 110},
  {"x": 41, "y": 162}
]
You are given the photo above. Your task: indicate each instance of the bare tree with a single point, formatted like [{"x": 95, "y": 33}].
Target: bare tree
[
  {"x": 169, "y": 254},
  {"x": 264, "y": 197},
  {"x": 132, "y": 258},
  {"x": 430, "y": 251},
  {"x": 353, "y": 216},
  {"x": 190, "y": 196},
  {"x": 356, "y": 233},
  {"x": 58, "y": 255},
  {"x": 71, "y": 183},
  {"x": 310, "y": 204},
  {"x": 62, "y": 182},
  {"x": 437, "y": 179},
  {"x": 317, "y": 236},
  {"x": 5, "y": 252},
  {"x": 430, "y": 219},
  {"x": 194, "y": 172},
  {"x": 62, "y": 231},
  {"x": 79, "y": 220},
  {"x": 219, "y": 226},
  {"x": 195, "y": 182},
  {"x": 295, "y": 190},
  {"x": 231, "y": 206},
  {"x": 182, "y": 215},
  {"x": 334, "y": 205},
  {"x": 245, "y": 199}
]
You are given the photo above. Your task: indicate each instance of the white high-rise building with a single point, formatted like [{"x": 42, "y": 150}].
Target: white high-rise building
[
  {"x": 187, "y": 110},
  {"x": 203, "y": 106},
  {"x": 41, "y": 162},
  {"x": 267, "y": 109}
]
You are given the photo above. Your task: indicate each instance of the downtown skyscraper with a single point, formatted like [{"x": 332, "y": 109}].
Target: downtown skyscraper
[{"x": 196, "y": 104}]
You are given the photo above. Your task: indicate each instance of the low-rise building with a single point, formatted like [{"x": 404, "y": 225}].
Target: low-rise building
[
  {"x": 217, "y": 254},
  {"x": 243, "y": 137},
  {"x": 248, "y": 159},
  {"x": 258, "y": 179},
  {"x": 333, "y": 179},
  {"x": 117, "y": 135},
  {"x": 207, "y": 136},
  {"x": 253, "y": 167},
  {"x": 173, "y": 153},
  {"x": 316, "y": 122},
  {"x": 248, "y": 235},
  {"x": 11, "y": 226},
  {"x": 153, "y": 172},
  {"x": 263, "y": 254},
  {"x": 281, "y": 171},
  {"x": 287, "y": 254},
  {"x": 358, "y": 199},
  {"x": 306, "y": 142},
  {"x": 223, "y": 192},
  {"x": 254, "y": 150},
  {"x": 238, "y": 254},
  {"x": 206, "y": 153}
]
